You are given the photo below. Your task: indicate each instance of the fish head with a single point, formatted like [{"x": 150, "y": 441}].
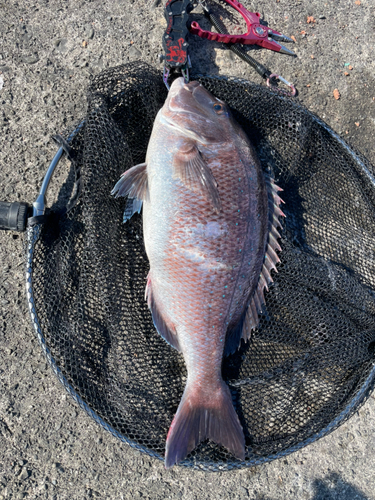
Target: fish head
[{"x": 195, "y": 113}]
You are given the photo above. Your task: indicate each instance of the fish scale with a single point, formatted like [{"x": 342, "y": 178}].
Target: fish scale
[
  {"x": 210, "y": 229},
  {"x": 223, "y": 253}
]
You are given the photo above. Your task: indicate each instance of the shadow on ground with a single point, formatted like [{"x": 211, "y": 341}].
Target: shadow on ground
[{"x": 333, "y": 487}]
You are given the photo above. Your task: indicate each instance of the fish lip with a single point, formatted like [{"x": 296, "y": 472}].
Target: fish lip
[
  {"x": 192, "y": 86},
  {"x": 180, "y": 87},
  {"x": 179, "y": 83},
  {"x": 168, "y": 122}
]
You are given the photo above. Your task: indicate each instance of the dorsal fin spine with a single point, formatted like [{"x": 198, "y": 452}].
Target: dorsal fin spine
[{"x": 250, "y": 320}]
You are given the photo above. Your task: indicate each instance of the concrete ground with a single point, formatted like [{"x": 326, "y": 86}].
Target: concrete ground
[{"x": 49, "y": 448}]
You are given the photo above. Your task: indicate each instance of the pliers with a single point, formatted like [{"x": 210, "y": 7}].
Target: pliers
[
  {"x": 257, "y": 34},
  {"x": 175, "y": 43}
]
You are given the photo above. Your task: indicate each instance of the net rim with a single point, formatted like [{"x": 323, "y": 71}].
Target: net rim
[{"x": 33, "y": 234}]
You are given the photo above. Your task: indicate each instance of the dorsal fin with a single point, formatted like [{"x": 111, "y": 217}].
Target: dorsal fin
[
  {"x": 250, "y": 317},
  {"x": 192, "y": 170}
]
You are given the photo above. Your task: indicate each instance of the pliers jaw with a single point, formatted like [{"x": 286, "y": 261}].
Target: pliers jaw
[{"x": 183, "y": 69}]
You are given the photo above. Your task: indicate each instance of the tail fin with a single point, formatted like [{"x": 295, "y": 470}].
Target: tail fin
[{"x": 198, "y": 419}]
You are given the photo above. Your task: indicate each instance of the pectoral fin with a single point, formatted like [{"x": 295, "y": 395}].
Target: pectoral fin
[
  {"x": 133, "y": 205},
  {"x": 134, "y": 184},
  {"x": 192, "y": 170}
]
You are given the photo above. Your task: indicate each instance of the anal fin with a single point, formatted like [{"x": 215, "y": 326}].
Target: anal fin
[
  {"x": 164, "y": 329},
  {"x": 248, "y": 322}
]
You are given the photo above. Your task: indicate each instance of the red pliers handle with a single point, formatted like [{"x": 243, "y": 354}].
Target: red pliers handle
[{"x": 257, "y": 34}]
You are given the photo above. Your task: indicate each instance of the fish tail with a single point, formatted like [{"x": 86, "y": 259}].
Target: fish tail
[{"x": 200, "y": 418}]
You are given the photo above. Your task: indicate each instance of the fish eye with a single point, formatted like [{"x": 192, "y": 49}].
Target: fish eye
[{"x": 219, "y": 108}]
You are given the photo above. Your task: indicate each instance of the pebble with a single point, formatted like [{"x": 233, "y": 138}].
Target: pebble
[
  {"x": 25, "y": 38},
  {"x": 60, "y": 44},
  {"x": 24, "y": 474},
  {"x": 34, "y": 58},
  {"x": 17, "y": 470},
  {"x": 134, "y": 52},
  {"x": 89, "y": 32},
  {"x": 1, "y": 82}
]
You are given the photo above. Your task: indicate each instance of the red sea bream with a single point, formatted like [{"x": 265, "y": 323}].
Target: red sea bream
[{"x": 210, "y": 221}]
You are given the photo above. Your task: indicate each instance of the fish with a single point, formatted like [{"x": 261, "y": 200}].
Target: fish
[{"x": 210, "y": 227}]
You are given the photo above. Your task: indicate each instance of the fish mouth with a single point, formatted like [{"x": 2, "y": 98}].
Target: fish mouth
[
  {"x": 179, "y": 84},
  {"x": 187, "y": 99},
  {"x": 183, "y": 97},
  {"x": 192, "y": 86}
]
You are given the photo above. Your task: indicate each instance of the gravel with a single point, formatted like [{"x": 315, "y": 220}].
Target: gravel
[
  {"x": 49, "y": 448},
  {"x": 32, "y": 59}
]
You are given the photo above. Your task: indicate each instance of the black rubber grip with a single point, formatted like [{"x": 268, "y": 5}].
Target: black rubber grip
[
  {"x": 13, "y": 216},
  {"x": 175, "y": 46}
]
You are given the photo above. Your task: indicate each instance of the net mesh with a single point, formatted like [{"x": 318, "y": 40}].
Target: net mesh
[{"x": 311, "y": 360}]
